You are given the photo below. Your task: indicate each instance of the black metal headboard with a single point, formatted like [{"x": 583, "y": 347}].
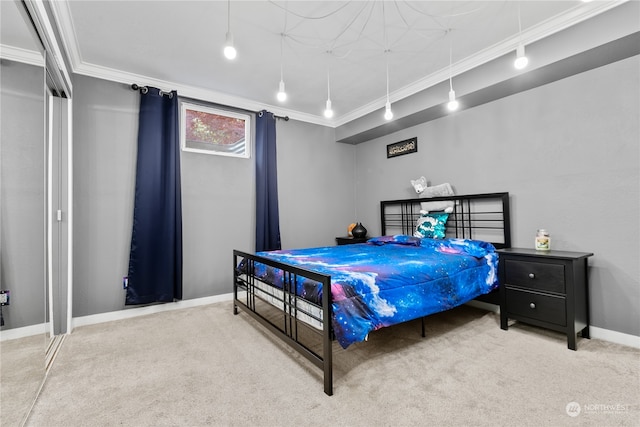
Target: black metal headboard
[{"x": 476, "y": 216}]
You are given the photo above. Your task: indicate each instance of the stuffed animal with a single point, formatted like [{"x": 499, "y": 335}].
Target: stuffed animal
[
  {"x": 441, "y": 190},
  {"x": 419, "y": 184}
]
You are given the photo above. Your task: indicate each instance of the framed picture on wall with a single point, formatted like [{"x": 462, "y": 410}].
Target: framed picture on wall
[{"x": 403, "y": 147}]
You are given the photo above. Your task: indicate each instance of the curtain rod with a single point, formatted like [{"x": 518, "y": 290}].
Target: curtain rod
[
  {"x": 285, "y": 118},
  {"x": 144, "y": 90}
]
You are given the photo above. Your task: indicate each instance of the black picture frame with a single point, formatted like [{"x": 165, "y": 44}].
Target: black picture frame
[{"x": 402, "y": 147}]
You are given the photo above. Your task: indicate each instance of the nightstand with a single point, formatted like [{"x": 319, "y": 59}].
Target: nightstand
[
  {"x": 349, "y": 240},
  {"x": 545, "y": 288}
]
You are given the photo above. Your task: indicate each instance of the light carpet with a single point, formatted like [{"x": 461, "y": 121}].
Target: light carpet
[
  {"x": 204, "y": 366},
  {"x": 22, "y": 368}
]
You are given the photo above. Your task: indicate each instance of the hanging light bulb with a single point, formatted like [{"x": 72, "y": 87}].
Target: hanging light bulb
[
  {"x": 453, "y": 104},
  {"x": 388, "y": 114},
  {"x": 521, "y": 59},
  {"x": 229, "y": 49},
  {"x": 282, "y": 95},
  {"x": 328, "y": 111}
]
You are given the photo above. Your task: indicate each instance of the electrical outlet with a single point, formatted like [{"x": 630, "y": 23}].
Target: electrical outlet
[{"x": 4, "y": 297}]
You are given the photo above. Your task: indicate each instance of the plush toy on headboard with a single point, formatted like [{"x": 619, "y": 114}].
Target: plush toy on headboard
[
  {"x": 419, "y": 184},
  {"x": 442, "y": 190}
]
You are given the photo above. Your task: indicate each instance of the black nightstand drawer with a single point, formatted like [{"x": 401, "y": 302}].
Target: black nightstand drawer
[
  {"x": 535, "y": 275},
  {"x": 548, "y": 308}
]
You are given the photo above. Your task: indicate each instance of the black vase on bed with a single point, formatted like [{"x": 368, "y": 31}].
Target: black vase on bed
[{"x": 359, "y": 231}]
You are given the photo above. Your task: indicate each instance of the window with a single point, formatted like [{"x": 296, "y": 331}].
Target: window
[{"x": 213, "y": 131}]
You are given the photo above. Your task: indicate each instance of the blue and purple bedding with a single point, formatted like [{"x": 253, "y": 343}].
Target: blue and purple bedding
[{"x": 390, "y": 279}]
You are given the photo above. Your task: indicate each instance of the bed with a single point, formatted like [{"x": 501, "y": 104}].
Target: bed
[{"x": 420, "y": 264}]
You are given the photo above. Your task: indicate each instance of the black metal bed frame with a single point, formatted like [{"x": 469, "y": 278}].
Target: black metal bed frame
[
  {"x": 466, "y": 221},
  {"x": 471, "y": 216}
]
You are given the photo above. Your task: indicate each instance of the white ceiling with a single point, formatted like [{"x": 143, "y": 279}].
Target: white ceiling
[
  {"x": 178, "y": 45},
  {"x": 16, "y": 35}
]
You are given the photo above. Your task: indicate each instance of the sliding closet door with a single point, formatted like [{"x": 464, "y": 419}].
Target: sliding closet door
[{"x": 58, "y": 221}]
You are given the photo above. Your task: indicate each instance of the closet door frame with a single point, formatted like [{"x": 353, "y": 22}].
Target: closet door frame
[{"x": 59, "y": 251}]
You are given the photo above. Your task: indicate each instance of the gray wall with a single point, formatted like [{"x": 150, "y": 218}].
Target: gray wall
[
  {"x": 315, "y": 185},
  {"x": 104, "y": 150},
  {"x": 567, "y": 153},
  {"x": 315, "y": 178},
  {"x": 22, "y": 193}
]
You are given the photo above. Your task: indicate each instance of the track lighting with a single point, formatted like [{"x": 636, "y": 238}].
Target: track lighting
[{"x": 229, "y": 49}]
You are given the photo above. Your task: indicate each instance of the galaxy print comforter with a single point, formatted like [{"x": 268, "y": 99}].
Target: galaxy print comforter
[{"x": 390, "y": 279}]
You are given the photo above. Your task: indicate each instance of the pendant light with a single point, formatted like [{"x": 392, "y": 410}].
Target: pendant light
[
  {"x": 282, "y": 94},
  {"x": 521, "y": 59},
  {"x": 388, "y": 114},
  {"x": 229, "y": 49},
  {"x": 453, "y": 104},
  {"x": 328, "y": 111}
]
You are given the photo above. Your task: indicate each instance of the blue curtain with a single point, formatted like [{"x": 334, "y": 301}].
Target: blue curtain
[
  {"x": 155, "y": 259},
  {"x": 267, "y": 216}
]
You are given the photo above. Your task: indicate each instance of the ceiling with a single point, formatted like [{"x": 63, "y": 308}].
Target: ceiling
[
  {"x": 16, "y": 36},
  {"x": 345, "y": 45}
]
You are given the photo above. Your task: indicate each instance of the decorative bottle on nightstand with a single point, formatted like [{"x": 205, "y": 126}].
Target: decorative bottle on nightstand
[
  {"x": 543, "y": 240},
  {"x": 359, "y": 231}
]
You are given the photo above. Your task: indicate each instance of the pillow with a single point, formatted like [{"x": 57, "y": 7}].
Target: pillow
[
  {"x": 399, "y": 239},
  {"x": 432, "y": 225},
  {"x": 441, "y": 190}
]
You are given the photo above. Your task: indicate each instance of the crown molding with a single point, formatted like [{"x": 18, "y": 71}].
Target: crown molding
[
  {"x": 105, "y": 73},
  {"x": 25, "y": 56}
]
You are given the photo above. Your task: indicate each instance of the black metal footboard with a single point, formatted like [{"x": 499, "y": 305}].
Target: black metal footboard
[{"x": 286, "y": 314}]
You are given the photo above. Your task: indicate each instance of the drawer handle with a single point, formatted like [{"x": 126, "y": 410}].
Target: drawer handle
[
  {"x": 532, "y": 305},
  {"x": 532, "y": 276}
]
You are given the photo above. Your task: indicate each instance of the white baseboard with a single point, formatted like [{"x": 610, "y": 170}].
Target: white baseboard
[
  {"x": 615, "y": 337},
  {"x": 142, "y": 311},
  {"x": 23, "y": 332}
]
